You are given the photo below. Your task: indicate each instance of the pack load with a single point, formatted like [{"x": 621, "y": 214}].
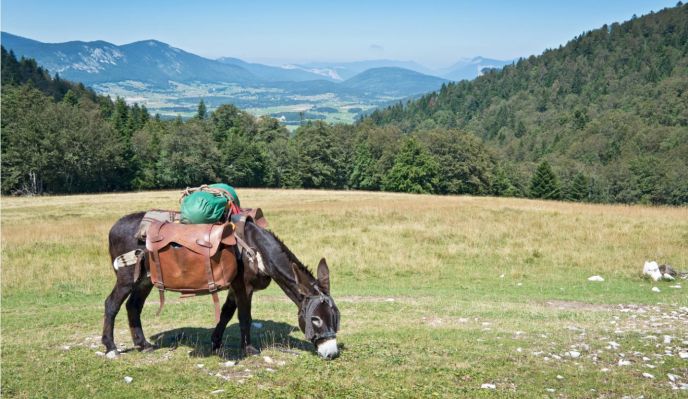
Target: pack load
[{"x": 208, "y": 204}]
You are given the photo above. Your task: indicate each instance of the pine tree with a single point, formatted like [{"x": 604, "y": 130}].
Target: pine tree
[
  {"x": 202, "y": 111},
  {"x": 579, "y": 188},
  {"x": 544, "y": 183}
]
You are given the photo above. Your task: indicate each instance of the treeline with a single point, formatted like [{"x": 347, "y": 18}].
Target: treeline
[{"x": 608, "y": 109}]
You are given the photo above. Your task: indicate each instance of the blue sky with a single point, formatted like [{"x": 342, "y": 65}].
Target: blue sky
[{"x": 433, "y": 33}]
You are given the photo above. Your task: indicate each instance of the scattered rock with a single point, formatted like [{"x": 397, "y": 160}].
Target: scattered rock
[
  {"x": 655, "y": 289},
  {"x": 677, "y": 286},
  {"x": 667, "y": 339},
  {"x": 66, "y": 347},
  {"x": 623, "y": 362},
  {"x": 268, "y": 359},
  {"x": 604, "y": 370},
  {"x": 560, "y": 377},
  {"x": 648, "y": 375},
  {"x": 550, "y": 390},
  {"x": 200, "y": 365},
  {"x": 613, "y": 345},
  {"x": 595, "y": 278},
  {"x": 228, "y": 363},
  {"x": 99, "y": 353},
  {"x": 672, "y": 377},
  {"x": 128, "y": 379},
  {"x": 683, "y": 355},
  {"x": 488, "y": 386},
  {"x": 501, "y": 276},
  {"x": 573, "y": 354},
  {"x": 217, "y": 391},
  {"x": 268, "y": 369},
  {"x": 112, "y": 354}
]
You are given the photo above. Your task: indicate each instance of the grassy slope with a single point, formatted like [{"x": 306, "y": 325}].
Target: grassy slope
[{"x": 417, "y": 278}]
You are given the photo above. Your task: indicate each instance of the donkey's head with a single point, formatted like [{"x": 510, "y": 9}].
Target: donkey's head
[{"x": 318, "y": 314}]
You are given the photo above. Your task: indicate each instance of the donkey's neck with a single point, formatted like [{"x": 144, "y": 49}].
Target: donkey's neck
[{"x": 277, "y": 259}]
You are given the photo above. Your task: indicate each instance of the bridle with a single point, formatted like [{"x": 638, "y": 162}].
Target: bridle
[{"x": 306, "y": 310}]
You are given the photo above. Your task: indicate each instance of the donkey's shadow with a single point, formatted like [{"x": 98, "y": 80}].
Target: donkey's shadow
[{"x": 270, "y": 335}]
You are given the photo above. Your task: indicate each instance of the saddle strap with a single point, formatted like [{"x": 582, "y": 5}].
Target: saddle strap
[
  {"x": 162, "y": 302},
  {"x": 212, "y": 287},
  {"x": 216, "y": 302}
]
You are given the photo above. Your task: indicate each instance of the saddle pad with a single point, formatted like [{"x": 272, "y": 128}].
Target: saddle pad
[
  {"x": 204, "y": 239},
  {"x": 152, "y": 216}
]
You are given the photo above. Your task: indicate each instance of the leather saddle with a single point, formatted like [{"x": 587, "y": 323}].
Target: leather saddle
[{"x": 193, "y": 259}]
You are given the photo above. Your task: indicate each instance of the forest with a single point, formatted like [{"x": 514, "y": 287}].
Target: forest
[{"x": 602, "y": 119}]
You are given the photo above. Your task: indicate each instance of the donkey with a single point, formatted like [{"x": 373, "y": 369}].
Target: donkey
[{"x": 318, "y": 315}]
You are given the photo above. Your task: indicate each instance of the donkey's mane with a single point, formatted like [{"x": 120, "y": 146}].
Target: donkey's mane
[{"x": 290, "y": 254}]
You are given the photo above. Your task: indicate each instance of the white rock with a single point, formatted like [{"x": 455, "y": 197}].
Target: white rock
[
  {"x": 519, "y": 284},
  {"x": 215, "y": 392},
  {"x": 488, "y": 386},
  {"x": 268, "y": 359},
  {"x": 128, "y": 379},
  {"x": 65, "y": 347},
  {"x": 200, "y": 365},
  {"x": 623, "y": 362},
  {"x": 228, "y": 363},
  {"x": 677, "y": 286},
  {"x": 501, "y": 276},
  {"x": 595, "y": 278},
  {"x": 650, "y": 366},
  {"x": 604, "y": 370},
  {"x": 550, "y": 390},
  {"x": 389, "y": 300},
  {"x": 683, "y": 355},
  {"x": 667, "y": 339},
  {"x": 648, "y": 375},
  {"x": 573, "y": 354},
  {"x": 268, "y": 369},
  {"x": 99, "y": 353},
  {"x": 672, "y": 377},
  {"x": 613, "y": 345},
  {"x": 112, "y": 354},
  {"x": 519, "y": 350},
  {"x": 651, "y": 269},
  {"x": 257, "y": 325},
  {"x": 560, "y": 377},
  {"x": 655, "y": 289}
]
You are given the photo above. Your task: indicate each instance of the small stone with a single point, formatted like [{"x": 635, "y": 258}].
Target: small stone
[
  {"x": 667, "y": 339},
  {"x": 613, "y": 345},
  {"x": 683, "y": 355},
  {"x": 128, "y": 379},
  {"x": 200, "y": 365},
  {"x": 650, "y": 366},
  {"x": 550, "y": 390},
  {"x": 99, "y": 353},
  {"x": 595, "y": 278},
  {"x": 604, "y": 370},
  {"x": 217, "y": 391},
  {"x": 112, "y": 354},
  {"x": 624, "y": 362},
  {"x": 228, "y": 363},
  {"x": 560, "y": 377},
  {"x": 655, "y": 289},
  {"x": 257, "y": 325},
  {"x": 677, "y": 286},
  {"x": 65, "y": 347},
  {"x": 519, "y": 284},
  {"x": 389, "y": 300},
  {"x": 648, "y": 375},
  {"x": 519, "y": 350},
  {"x": 268, "y": 369},
  {"x": 573, "y": 354},
  {"x": 672, "y": 377},
  {"x": 488, "y": 386},
  {"x": 268, "y": 359},
  {"x": 501, "y": 276}
]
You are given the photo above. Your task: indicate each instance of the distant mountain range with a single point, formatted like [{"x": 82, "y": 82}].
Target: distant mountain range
[{"x": 169, "y": 79}]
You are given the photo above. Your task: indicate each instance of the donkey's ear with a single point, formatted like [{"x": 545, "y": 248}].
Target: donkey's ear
[
  {"x": 324, "y": 276},
  {"x": 301, "y": 280}
]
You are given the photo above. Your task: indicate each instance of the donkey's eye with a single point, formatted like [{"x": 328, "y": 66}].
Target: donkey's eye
[{"x": 317, "y": 321}]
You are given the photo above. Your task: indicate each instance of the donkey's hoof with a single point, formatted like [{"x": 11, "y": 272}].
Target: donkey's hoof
[
  {"x": 250, "y": 351},
  {"x": 113, "y": 354}
]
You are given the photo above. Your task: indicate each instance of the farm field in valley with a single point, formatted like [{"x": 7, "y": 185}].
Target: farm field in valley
[{"x": 439, "y": 296}]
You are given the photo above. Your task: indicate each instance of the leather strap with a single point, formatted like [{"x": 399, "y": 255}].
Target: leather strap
[
  {"x": 162, "y": 302},
  {"x": 216, "y": 302},
  {"x": 209, "y": 267}
]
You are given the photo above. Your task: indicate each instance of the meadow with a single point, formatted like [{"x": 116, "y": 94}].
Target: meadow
[{"x": 440, "y": 296}]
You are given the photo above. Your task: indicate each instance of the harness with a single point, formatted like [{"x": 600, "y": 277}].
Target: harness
[{"x": 307, "y": 308}]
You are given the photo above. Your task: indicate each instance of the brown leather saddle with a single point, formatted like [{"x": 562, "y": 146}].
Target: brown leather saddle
[{"x": 193, "y": 259}]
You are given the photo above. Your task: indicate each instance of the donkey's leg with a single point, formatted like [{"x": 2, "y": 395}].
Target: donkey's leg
[
  {"x": 243, "y": 299},
  {"x": 227, "y": 312},
  {"x": 112, "y": 304},
  {"x": 134, "y": 308}
]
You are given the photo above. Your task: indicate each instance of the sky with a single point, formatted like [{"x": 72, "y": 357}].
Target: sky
[{"x": 433, "y": 33}]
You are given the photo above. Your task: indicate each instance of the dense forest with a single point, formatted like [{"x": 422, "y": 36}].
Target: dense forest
[{"x": 603, "y": 118}]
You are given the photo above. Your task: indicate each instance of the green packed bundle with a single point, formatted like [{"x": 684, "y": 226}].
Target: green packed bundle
[
  {"x": 230, "y": 190},
  {"x": 202, "y": 207}
]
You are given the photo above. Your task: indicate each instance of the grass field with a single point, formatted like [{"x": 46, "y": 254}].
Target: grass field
[{"x": 438, "y": 296}]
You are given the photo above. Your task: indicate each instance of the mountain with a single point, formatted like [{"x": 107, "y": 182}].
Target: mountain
[
  {"x": 270, "y": 73},
  {"x": 467, "y": 69},
  {"x": 608, "y": 110},
  {"x": 393, "y": 82},
  {"x": 148, "y": 61},
  {"x": 345, "y": 70}
]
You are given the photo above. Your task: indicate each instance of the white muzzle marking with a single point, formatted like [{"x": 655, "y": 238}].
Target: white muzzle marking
[{"x": 328, "y": 349}]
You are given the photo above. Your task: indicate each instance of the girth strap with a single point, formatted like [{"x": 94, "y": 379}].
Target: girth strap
[
  {"x": 216, "y": 302},
  {"x": 162, "y": 302}
]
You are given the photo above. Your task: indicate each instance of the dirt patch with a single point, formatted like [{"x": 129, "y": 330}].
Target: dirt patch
[{"x": 576, "y": 305}]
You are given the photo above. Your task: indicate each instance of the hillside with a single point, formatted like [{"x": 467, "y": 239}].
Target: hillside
[
  {"x": 392, "y": 82},
  {"x": 610, "y": 106}
]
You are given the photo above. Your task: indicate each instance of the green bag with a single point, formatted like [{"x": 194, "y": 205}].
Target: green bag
[
  {"x": 202, "y": 207},
  {"x": 230, "y": 190}
]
